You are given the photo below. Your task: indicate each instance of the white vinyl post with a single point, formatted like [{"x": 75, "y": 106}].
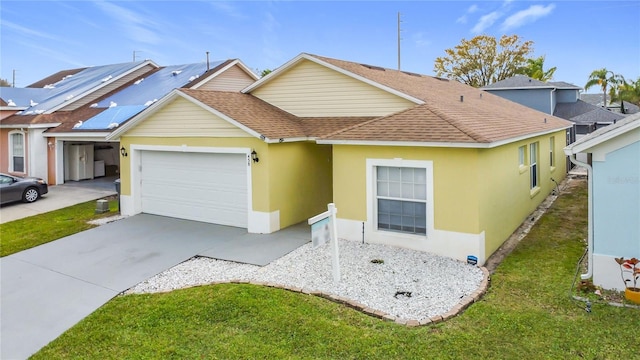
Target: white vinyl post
[{"x": 335, "y": 261}]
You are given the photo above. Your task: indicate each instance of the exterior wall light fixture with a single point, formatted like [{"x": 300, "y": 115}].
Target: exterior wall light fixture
[{"x": 254, "y": 156}]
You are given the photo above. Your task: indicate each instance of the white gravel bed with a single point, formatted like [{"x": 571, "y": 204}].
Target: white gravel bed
[{"x": 429, "y": 285}]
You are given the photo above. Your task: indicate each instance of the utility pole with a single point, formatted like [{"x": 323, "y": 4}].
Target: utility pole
[
  {"x": 399, "y": 38},
  {"x": 13, "y": 83}
]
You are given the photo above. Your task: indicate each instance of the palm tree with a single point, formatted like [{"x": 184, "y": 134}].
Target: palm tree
[
  {"x": 601, "y": 78},
  {"x": 535, "y": 69},
  {"x": 626, "y": 91}
]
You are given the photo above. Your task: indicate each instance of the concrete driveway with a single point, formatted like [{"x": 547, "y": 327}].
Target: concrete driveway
[
  {"x": 59, "y": 196},
  {"x": 48, "y": 289}
]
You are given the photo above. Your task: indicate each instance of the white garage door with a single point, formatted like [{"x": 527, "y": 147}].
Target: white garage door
[{"x": 196, "y": 186}]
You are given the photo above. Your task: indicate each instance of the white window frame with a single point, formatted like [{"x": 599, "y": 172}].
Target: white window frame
[
  {"x": 522, "y": 158},
  {"x": 534, "y": 169},
  {"x": 11, "y": 151},
  {"x": 372, "y": 198}
]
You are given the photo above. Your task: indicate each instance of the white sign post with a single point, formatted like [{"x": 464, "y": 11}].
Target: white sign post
[{"x": 323, "y": 231}]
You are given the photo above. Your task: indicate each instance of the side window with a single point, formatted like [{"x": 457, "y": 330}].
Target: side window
[
  {"x": 533, "y": 167},
  {"x": 16, "y": 152},
  {"x": 522, "y": 155},
  {"x": 5, "y": 180}
]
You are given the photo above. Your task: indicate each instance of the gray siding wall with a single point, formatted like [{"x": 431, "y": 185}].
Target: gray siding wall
[
  {"x": 539, "y": 99},
  {"x": 567, "y": 96}
]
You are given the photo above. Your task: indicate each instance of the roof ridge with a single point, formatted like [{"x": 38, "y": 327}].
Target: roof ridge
[
  {"x": 355, "y": 126},
  {"x": 456, "y": 123}
]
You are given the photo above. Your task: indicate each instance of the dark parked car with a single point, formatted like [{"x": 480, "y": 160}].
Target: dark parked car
[{"x": 16, "y": 188}]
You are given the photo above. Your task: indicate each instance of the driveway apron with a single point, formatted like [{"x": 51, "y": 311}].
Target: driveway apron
[{"x": 48, "y": 289}]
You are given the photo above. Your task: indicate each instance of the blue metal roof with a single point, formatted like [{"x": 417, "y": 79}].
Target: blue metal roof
[
  {"x": 78, "y": 84},
  {"x": 153, "y": 88},
  {"x": 22, "y": 97},
  {"x": 111, "y": 117}
]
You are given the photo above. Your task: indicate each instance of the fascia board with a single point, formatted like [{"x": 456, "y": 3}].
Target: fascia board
[
  {"x": 583, "y": 146},
  {"x": 285, "y": 140},
  {"x": 472, "y": 145},
  {"x": 13, "y": 108},
  {"x": 30, "y": 126},
  {"x": 272, "y": 74},
  {"x": 520, "y": 88},
  {"x": 78, "y": 137}
]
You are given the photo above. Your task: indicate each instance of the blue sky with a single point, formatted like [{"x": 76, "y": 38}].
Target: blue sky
[{"x": 39, "y": 38}]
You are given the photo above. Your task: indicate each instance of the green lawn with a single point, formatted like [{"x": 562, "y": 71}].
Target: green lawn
[
  {"x": 526, "y": 314},
  {"x": 36, "y": 230}
]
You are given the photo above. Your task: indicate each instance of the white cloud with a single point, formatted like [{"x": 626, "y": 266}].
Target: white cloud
[
  {"x": 463, "y": 19},
  {"x": 228, "y": 8},
  {"x": 138, "y": 28},
  {"x": 486, "y": 21},
  {"x": 522, "y": 17},
  {"x": 26, "y": 31},
  {"x": 506, "y": 3}
]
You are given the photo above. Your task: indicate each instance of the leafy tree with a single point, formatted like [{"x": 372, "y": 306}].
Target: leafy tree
[
  {"x": 602, "y": 79},
  {"x": 484, "y": 60},
  {"x": 535, "y": 69},
  {"x": 4, "y": 82},
  {"x": 265, "y": 72},
  {"x": 626, "y": 91}
]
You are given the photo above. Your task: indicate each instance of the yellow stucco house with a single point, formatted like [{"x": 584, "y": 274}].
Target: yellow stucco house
[{"x": 409, "y": 160}]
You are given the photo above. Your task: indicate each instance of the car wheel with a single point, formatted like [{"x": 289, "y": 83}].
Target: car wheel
[{"x": 30, "y": 195}]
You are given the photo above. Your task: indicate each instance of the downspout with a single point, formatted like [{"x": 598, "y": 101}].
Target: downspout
[{"x": 589, "y": 272}]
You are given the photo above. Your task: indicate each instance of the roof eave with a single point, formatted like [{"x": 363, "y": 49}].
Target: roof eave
[
  {"x": 590, "y": 142},
  {"x": 29, "y": 126},
  {"x": 13, "y": 108},
  {"x": 78, "y": 136},
  {"x": 475, "y": 145}
]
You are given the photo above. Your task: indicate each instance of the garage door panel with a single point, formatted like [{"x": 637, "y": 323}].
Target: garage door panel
[{"x": 205, "y": 187}]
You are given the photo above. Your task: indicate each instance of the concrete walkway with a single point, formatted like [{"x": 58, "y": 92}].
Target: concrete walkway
[
  {"x": 48, "y": 289},
  {"x": 59, "y": 196}
]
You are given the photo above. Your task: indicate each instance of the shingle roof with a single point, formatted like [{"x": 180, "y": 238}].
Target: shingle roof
[
  {"x": 519, "y": 82},
  {"x": 627, "y": 123},
  {"x": 593, "y": 99},
  {"x": 480, "y": 117},
  {"x": 564, "y": 85},
  {"x": 582, "y": 112},
  {"x": 266, "y": 119}
]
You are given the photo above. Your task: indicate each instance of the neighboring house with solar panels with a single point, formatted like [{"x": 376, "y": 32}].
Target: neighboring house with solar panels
[{"x": 56, "y": 128}]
